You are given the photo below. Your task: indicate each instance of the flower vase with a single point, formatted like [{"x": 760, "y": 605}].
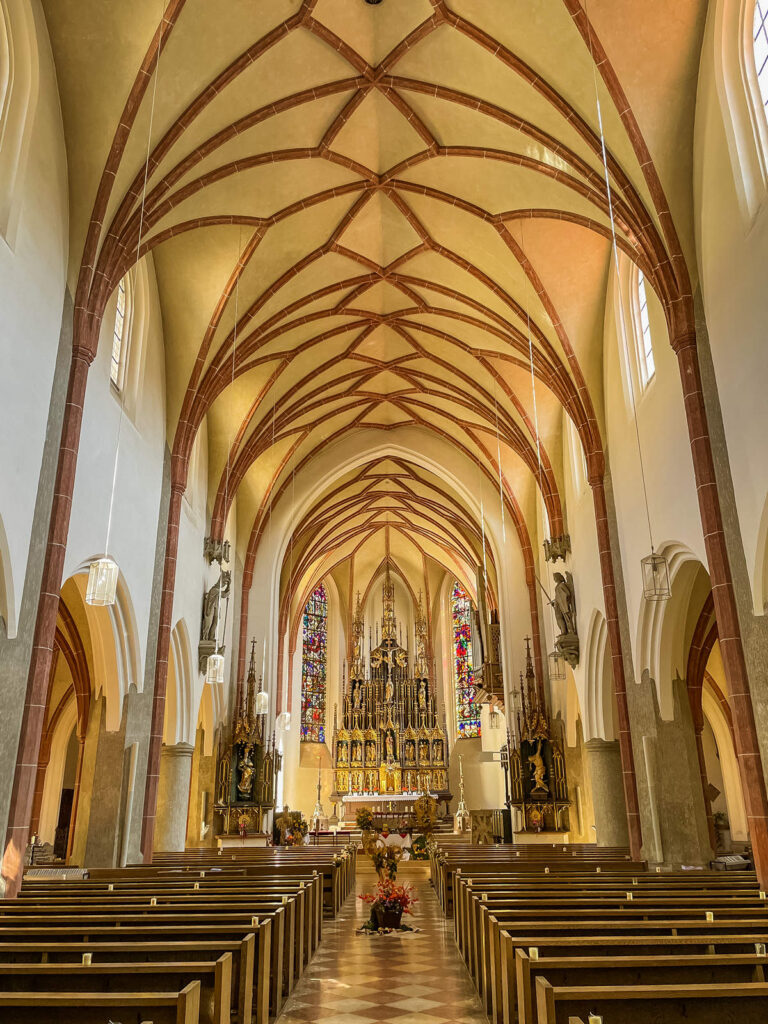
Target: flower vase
[{"x": 388, "y": 918}]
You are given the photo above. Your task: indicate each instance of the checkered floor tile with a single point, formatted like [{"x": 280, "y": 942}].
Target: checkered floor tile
[{"x": 409, "y": 978}]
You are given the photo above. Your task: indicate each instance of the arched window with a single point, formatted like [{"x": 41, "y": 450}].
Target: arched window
[
  {"x": 760, "y": 42},
  {"x": 18, "y": 101},
  {"x": 314, "y": 655},
  {"x": 645, "y": 363},
  {"x": 120, "y": 335},
  {"x": 467, "y": 711}
]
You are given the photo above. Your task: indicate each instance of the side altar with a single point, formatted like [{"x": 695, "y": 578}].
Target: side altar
[
  {"x": 247, "y": 765},
  {"x": 389, "y": 742},
  {"x": 539, "y": 788}
]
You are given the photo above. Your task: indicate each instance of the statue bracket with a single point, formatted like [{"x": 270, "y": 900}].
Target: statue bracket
[{"x": 556, "y": 548}]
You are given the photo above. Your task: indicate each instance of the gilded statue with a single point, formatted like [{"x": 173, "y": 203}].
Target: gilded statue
[
  {"x": 422, "y": 695},
  {"x": 390, "y": 746},
  {"x": 538, "y": 769},
  {"x": 389, "y": 691},
  {"x": 245, "y": 782}
]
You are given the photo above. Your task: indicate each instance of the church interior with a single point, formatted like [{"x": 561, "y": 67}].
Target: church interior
[{"x": 383, "y": 511}]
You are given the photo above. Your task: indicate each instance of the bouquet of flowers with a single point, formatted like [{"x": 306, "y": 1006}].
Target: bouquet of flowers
[
  {"x": 388, "y": 904},
  {"x": 385, "y": 859},
  {"x": 364, "y": 819}
]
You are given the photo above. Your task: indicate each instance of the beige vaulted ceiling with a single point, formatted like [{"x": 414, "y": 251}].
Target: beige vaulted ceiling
[{"x": 377, "y": 218}]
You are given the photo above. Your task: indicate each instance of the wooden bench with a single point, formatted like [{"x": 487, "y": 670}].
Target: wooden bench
[
  {"x": 140, "y": 953},
  {"x": 561, "y": 971},
  {"x": 649, "y": 1004},
  {"x": 95, "y": 1008},
  {"x": 215, "y": 978}
]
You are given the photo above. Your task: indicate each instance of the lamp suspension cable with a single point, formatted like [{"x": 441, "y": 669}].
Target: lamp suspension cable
[
  {"x": 556, "y": 670},
  {"x": 654, "y": 567},
  {"x": 103, "y": 572},
  {"x": 498, "y": 460},
  {"x": 622, "y": 316}
]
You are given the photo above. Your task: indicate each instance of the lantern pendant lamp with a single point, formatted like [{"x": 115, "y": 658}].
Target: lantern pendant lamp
[
  {"x": 655, "y": 577},
  {"x": 556, "y": 665},
  {"x": 261, "y": 704},
  {"x": 215, "y": 668},
  {"x": 102, "y": 582}
]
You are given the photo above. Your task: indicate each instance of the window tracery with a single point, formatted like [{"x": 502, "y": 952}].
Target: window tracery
[
  {"x": 120, "y": 336},
  {"x": 467, "y": 710},
  {"x": 314, "y": 659},
  {"x": 645, "y": 361}
]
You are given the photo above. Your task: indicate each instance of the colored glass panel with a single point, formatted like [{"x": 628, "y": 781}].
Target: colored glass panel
[
  {"x": 467, "y": 709},
  {"x": 313, "y": 667}
]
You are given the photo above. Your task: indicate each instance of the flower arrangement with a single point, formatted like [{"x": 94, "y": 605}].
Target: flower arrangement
[
  {"x": 388, "y": 904},
  {"x": 385, "y": 859},
  {"x": 297, "y": 830},
  {"x": 364, "y": 819},
  {"x": 419, "y": 849}
]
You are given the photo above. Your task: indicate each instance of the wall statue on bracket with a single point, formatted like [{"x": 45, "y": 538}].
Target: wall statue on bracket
[
  {"x": 211, "y": 605},
  {"x": 564, "y": 606}
]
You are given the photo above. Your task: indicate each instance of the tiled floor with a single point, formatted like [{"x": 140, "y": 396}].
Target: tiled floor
[{"x": 411, "y": 978}]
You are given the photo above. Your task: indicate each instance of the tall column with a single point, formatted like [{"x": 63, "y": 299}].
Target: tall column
[
  {"x": 161, "y": 670},
  {"x": 22, "y": 794},
  {"x": 617, "y": 663},
  {"x": 605, "y": 774},
  {"x": 173, "y": 797},
  {"x": 728, "y": 628}
]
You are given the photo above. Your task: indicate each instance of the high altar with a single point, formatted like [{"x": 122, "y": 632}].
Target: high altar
[{"x": 389, "y": 742}]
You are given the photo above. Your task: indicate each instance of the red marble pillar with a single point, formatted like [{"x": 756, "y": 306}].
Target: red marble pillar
[
  {"x": 22, "y": 794},
  {"x": 161, "y": 672},
  {"x": 619, "y": 681},
  {"x": 728, "y": 629}
]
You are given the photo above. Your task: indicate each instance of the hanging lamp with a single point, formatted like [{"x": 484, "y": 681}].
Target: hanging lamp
[
  {"x": 102, "y": 582},
  {"x": 103, "y": 573},
  {"x": 556, "y": 665},
  {"x": 654, "y": 567},
  {"x": 214, "y": 670}
]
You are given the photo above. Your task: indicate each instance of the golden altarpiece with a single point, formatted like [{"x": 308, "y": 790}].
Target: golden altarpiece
[
  {"x": 389, "y": 743},
  {"x": 247, "y": 763},
  {"x": 537, "y": 763}
]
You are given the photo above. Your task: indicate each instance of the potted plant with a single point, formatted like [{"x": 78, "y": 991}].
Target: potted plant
[{"x": 388, "y": 904}]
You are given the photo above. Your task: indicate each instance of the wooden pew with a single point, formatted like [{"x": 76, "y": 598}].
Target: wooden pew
[
  {"x": 649, "y": 1004},
  {"x": 215, "y": 980},
  {"x": 560, "y": 971},
  {"x": 140, "y": 953},
  {"x": 288, "y": 928},
  {"x": 95, "y": 1008},
  {"x": 266, "y": 988}
]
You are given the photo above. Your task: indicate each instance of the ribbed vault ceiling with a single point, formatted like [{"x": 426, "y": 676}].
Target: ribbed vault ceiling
[{"x": 377, "y": 218}]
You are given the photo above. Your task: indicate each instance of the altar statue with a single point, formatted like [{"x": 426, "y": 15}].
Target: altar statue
[
  {"x": 390, "y": 746},
  {"x": 389, "y": 691},
  {"x": 538, "y": 770},
  {"x": 422, "y": 696},
  {"x": 245, "y": 782},
  {"x": 410, "y": 752},
  {"x": 357, "y": 752}
]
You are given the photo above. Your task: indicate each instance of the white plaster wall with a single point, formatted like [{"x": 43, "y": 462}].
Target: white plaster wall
[
  {"x": 138, "y": 482},
  {"x": 732, "y": 248},
  {"x": 32, "y": 283},
  {"x": 671, "y": 488}
]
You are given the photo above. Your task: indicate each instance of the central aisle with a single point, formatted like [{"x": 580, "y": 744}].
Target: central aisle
[{"x": 405, "y": 978}]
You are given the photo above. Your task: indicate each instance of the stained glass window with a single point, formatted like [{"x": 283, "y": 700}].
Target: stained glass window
[
  {"x": 467, "y": 710},
  {"x": 313, "y": 667}
]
